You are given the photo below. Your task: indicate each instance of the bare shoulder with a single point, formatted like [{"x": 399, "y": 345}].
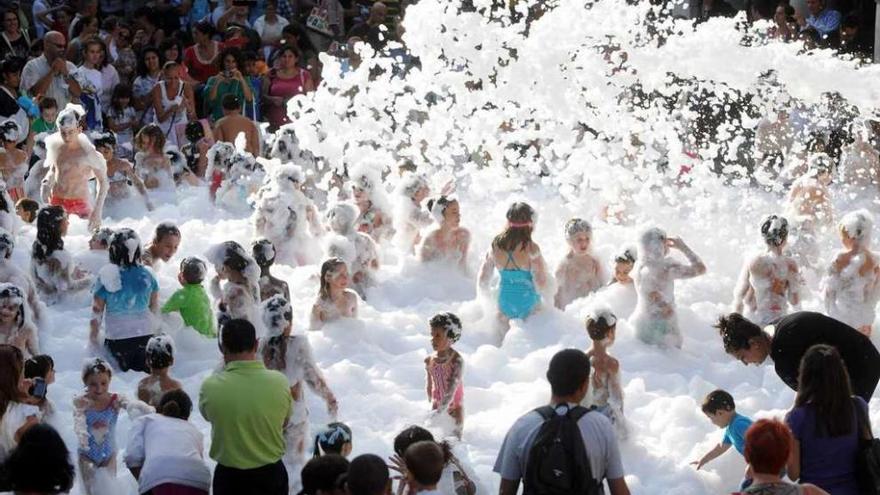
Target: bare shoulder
[{"x": 613, "y": 365}]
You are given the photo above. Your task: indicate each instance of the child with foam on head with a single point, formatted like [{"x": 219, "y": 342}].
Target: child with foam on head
[
  {"x": 13, "y": 161},
  {"x": 100, "y": 239},
  {"x": 121, "y": 177},
  {"x": 373, "y": 217},
  {"x": 770, "y": 281},
  {"x": 160, "y": 358},
  {"x": 356, "y": 248},
  {"x": 624, "y": 262},
  {"x": 192, "y": 301},
  {"x": 10, "y": 273},
  {"x": 719, "y": 407},
  {"x": 335, "y": 300},
  {"x": 16, "y": 327},
  {"x": 852, "y": 284},
  {"x": 579, "y": 273},
  {"x": 445, "y": 370},
  {"x": 126, "y": 298},
  {"x": 239, "y": 296},
  {"x": 334, "y": 439},
  {"x": 264, "y": 254},
  {"x": 449, "y": 241},
  {"x": 292, "y": 355},
  {"x": 409, "y": 215},
  {"x": 52, "y": 268},
  {"x": 605, "y": 392},
  {"x": 7, "y": 210},
  {"x": 95, "y": 412}
]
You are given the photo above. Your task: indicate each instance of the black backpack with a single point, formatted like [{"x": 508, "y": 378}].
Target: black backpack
[{"x": 558, "y": 462}]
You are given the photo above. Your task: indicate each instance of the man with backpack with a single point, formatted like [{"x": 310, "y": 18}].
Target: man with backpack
[{"x": 545, "y": 451}]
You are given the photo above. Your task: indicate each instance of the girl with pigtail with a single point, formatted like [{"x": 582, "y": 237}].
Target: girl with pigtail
[
  {"x": 52, "y": 269},
  {"x": 445, "y": 370},
  {"x": 449, "y": 241},
  {"x": 292, "y": 355}
]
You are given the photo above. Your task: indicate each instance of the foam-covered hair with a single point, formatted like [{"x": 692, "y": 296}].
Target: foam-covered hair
[
  {"x": 220, "y": 157},
  {"x": 95, "y": 365},
  {"x": 102, "y": 235},
  {"x": 277, "y": 315},
  {"x": 411, "y": 183},
  {"x": 652, "y": 243},
  {"x": 774, "y": 228},
  {"x": 575, "y": 226},
  {"x": 820, "y": 163},
  {"x": 437, "y": 206},
  {"x": 448, "y": 321},
  {"x": 599, "y": 321},
  {"x": 364, "y": 177},
  {"x": 341, "y": 217},
  {"x": 858, "y": 225},
  {"x": 100, "y": 139},
  {"x": 263, "y": 251},
  {"x": 160, "y": 351},
  {"x": 13, "y": 295},
  {"x": 627, "y": 255},
  {"x": 125, "y": 247},
  {"x": 9, "y": 130},
  {"x": 7, "y": 244},
  {"x": 231, "y": 254},
  {"x": 71, "y": 116},
  {"x": 289, "y": 173}
]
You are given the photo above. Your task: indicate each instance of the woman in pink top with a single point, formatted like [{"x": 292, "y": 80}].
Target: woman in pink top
[
  {"x": 285, "y": 81},
  {"x": 445, "y": 370}
]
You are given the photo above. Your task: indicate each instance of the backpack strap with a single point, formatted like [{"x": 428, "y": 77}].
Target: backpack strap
[
  {"x": 578, "y": 412},
  {"x": 546, "y": 412}
]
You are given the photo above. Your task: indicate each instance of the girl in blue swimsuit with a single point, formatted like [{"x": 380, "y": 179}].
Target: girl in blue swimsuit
[{"x": 518, "y": 289}]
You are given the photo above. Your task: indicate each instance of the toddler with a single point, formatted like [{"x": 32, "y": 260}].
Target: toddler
[
  {"x": 719, "y": 407},
  {"x": 445, "y": 369}
]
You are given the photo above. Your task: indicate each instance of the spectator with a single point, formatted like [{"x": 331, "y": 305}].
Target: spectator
[
  {"x": 851, "y": 41},
  {"x": 235, "y": 37},
  {"x": 716, "y": 8},
  {"x": 228, "y": 13},
  {"x": 324, "y": 475},
  {"x": 284, "y": 82},
  {"x": 368, "y": 475},
  {"x": 50, "y": 74},
  {"x": 112, "y": 8},
  {"x": 145, "y": 19},
  {"x": 172, "y": 51},
  {"x": 373, "y": 30},
  {"x": 201, "y": 58},
  {"x": 233, "y": 123},
  {"x": 84, "y": 30},
  {"x": 793, "y": 335},
  {"x": 252, "y": 64},
  {"x": 768, "y": 445},
  {"x": 247, "y": 406},
  {"x": 43, "y": 12},
  {"x": 825, "y": 424},
  {"x": 164, "y": 450},
  {"x": 15, "y": 41},
  {"x": 121, "y": 119},
  {"x": 173, "y": 101},
  {"x": 568, "y": 373},
  {"x": 16, "y": 415},
  {"x": 41, "y": 463},
  {"x": 163, "y": 245},
  {"x": 230, "y": 81},
  {"x": 122, "y": 55},
  {"x": 149, "y": 73},
  {"x": 11, "y": 68},
  {"x": 785, "y": 28},
  {"x": 86, "y": 8},
  {"x": 824, "y": 20},
  {"x": 101, "y": 76},
  {"x": 270, "y": 25}
]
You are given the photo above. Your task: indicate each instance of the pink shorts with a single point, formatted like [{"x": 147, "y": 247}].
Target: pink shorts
[{"x": 76, "y": 206}]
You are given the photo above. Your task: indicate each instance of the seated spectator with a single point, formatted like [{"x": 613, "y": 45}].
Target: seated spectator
[
  {"x": 824, "y": 20},
  {"x": 785, "y": 25},
  {"x": 85, "y": 8},
  {"x": 371, "y": 30},
  {"x": 122, "y": 55},
  {"x": 10, "y": 73},
  {"x": 285, "y": 81},
  {"x": 230, "y": 81},
  {"x": 233, "y": 123},
  {"x": 228, "y": 13},
  {"x": 324, "y": 475},
  {"x": 41, "y": 463},
  {"x": 851, "y": 41},
  {"x": 270, "y": 25},
  {"x": 368, "y": 475},
  {"x": 568, "y": 374},
  {"x": 201, "y": 58},
  {"x": 768, "y": 445},
  {"x": 14, "y": 40}
]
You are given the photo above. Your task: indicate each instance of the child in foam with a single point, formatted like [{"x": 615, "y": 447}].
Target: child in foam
[
  {"x": 13, "y": 161},
  {"x": 239, "y": 297},
  {"x": 95, "y": 413},
  {"x": 151, "y": 161},
  {"x": 126, "y": 297},
  {"x": 356, "y": 248},
  {"x": 160, "y": 358},
  {"x": 264, "y": 254},
  {"x": 852, "y": 285},
  {"x": 449, "y": 241},
  {"x": 605, "y": 392},
  {"x": 14, "y": 275},
  {"x": 373, "y": 217},
  {"x": 520, "y": 265},
  {"x": 409, "y": 215},
  {"x": 445, "y": 370},
  {"x": 121, "y": 177},
  {"x": 655, "y": 317},
  {"x": 192, "y": 301},
  {"x": 16, "y": 327},
  {"x": 809, "y": 195},
  {"x": 292, "y": 355},
  {"x": 335, "y": 300},
  {"x": 579, "y": 273},
  {"x": 770, "y": 281},
  {"x": 52, "y": 268},
  {"x": 719, "y": 407},
  {"x": 335, "y": 438}
]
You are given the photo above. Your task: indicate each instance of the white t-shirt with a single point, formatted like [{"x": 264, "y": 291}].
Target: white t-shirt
[
  {"x": 38, "y": 67},
  {"x": 16, "y": 416},
  {"x": 168, "y": 450},
  {"x": 270, "y": 33}
]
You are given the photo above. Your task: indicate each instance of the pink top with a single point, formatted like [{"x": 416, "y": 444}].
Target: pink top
[
  {"x": 441, "y": 374},
  {"x": 287, "y": 88}
]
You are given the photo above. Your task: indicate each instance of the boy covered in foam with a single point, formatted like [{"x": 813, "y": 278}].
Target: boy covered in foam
[
  {"x": 852, "y": 285},
  {"x": 579, "y": 273},
  {"x": 191, "y": 300},
  {"x": 770, "y": 281}
]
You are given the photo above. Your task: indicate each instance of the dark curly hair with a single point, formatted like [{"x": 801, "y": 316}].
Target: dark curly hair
[{"x": 736, "y": 331}]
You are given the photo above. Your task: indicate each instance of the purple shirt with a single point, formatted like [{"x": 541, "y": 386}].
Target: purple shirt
[{"x": 828, "y": 462}]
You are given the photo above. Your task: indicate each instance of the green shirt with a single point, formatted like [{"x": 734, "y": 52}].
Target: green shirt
[
  {"x": 229, "y": 86},
  {"x": 195, "y": 308},
  {"x": 247, "y": 406},
  {"x": 41, "y": 125}
]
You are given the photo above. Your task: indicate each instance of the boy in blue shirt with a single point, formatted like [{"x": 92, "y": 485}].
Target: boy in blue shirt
[{"x": 719, "y": 407}]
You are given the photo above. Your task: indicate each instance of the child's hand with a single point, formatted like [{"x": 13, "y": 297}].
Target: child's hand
[{"x": 699, "y": 464}]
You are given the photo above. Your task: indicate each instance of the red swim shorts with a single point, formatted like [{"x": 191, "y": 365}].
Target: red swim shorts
[{"x": 76, "y": 206}]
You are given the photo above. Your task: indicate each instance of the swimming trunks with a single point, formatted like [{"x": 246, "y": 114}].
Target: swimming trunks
[{"x": 76, "y": 206}]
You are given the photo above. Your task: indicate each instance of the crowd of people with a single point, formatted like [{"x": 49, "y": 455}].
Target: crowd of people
[{"x": 93, "y": 92}]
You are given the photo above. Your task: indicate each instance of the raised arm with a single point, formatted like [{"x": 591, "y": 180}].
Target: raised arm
[{"x": 696, "y": 266}]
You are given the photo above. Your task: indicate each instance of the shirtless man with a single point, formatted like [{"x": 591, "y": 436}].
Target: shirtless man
[
  {"x": 71, "y": 160},
  {"x": 233, "y": 123},
  {"x": 164, "y": 244},
  {"x": 770, "y": 281}
]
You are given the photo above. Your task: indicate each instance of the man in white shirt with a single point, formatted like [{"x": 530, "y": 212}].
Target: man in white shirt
[
  {"x": 50, "y": 74},
  {"x": 569, "y": 376}
]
